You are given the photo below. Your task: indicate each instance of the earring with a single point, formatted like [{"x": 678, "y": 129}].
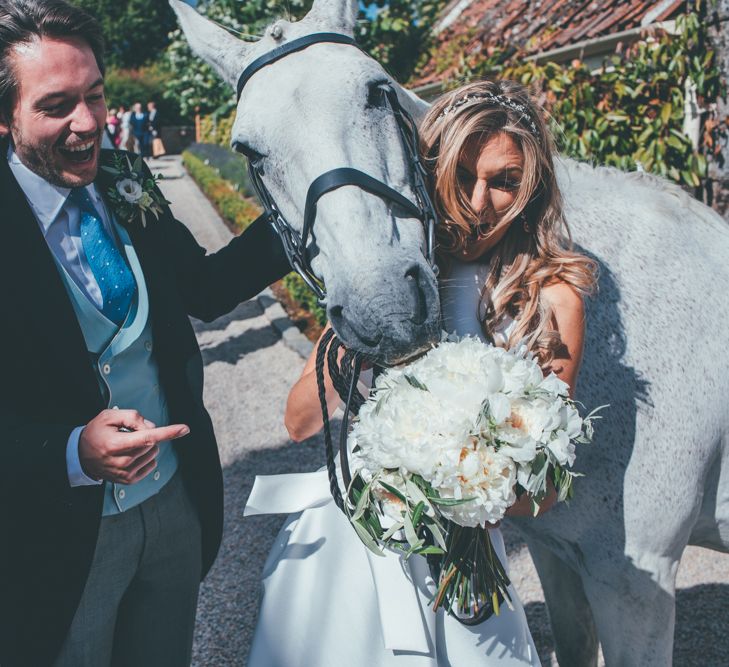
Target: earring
[{"x": 525, "y": 223}]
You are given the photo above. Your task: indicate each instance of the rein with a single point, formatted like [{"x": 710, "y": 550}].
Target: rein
[{"x": 344, "y": 377}]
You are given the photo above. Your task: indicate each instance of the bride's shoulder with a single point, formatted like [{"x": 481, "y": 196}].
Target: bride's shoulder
[{"x": 560, "y": 295}]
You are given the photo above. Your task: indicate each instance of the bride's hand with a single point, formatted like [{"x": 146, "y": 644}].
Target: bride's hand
[{"x": 523, "y": 506}]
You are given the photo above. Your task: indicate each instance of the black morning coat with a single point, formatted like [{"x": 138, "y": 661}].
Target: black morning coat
[{"x": 48, "y": 530}]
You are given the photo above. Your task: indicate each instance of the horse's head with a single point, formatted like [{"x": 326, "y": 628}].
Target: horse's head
[{"x": 319, "y": 109}]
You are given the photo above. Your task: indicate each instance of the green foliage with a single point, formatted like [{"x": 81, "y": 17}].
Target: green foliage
[
  {"x": 241, "y": 212},
  {"x": 233, "y": 206},
  {"x": 230, "y": 166},
  {"x": 127, "y": 86},
  {"x": 399, "y": 33},
  {"x": 302, "y": 294},
  {"x": 195, "y": 84},
  {"x": 135, "y": 30},
  {"x": 216, "y": 128},
  {"x": 629, "y": 113}
]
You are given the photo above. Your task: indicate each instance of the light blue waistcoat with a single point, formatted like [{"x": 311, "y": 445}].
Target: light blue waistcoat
[{"x": 128, "y": 375}]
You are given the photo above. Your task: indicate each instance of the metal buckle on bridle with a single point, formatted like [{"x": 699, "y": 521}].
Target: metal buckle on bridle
[{"x": 295, "y": 244}]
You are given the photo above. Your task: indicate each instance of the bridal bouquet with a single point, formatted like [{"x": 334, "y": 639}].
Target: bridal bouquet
[{"x": 444, "y": 446}]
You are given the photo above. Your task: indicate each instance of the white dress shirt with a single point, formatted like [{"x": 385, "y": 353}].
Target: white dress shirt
[{"x": 59, "y": 221}]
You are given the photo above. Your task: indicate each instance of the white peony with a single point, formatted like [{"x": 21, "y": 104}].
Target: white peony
[
  {"x": 554, "y": 385},
  {"x": 130, "y": 190},
  {"x": 469, "y": 418},
  {"x": 481, "y": 473},
  {"x": 562, "y": 448}
]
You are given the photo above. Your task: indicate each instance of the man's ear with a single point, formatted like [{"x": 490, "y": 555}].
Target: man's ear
[{"x": 6, "y": 117}]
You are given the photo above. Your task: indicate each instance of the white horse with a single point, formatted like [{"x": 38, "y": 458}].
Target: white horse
[{"x": 657, "y": 477}]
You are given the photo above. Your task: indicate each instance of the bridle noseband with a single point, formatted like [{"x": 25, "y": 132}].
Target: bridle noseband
[{"x": 295, "y": 243}]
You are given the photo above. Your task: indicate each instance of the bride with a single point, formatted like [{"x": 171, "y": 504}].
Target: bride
[{"x": 508, "y": 275}]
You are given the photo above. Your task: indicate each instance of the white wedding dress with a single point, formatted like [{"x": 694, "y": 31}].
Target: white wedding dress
[{"x": 329, "y": 602}]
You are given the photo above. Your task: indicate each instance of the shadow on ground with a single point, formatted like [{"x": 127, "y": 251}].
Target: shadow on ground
[
  {"x": 701, "y": 611},
  {"x": 245, "y": 311}
]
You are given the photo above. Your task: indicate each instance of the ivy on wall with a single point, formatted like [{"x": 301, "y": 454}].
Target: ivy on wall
[{"x": 630, "y": 112}]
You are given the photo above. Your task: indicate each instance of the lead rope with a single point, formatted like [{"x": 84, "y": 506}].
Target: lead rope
[{"x": 344, "y": 376}]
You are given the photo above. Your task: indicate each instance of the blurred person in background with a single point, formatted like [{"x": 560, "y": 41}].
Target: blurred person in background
[
  {"x": 138, "y": 121},
  {"x": 155, "y": 146},
  {"x": 125, "y": 129},
  {"x": 113, "y": 127}
]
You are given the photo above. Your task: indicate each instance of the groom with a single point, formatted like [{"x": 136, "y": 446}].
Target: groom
[{"x": 110, "y": 482}]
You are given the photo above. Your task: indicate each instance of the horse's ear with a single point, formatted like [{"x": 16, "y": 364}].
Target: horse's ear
[
  {"x": 212, "y": 43},
  {"x": 334, "y": 15},
  {"x": 416, "y": 106}
]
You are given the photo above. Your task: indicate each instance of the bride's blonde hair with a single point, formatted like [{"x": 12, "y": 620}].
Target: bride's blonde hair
[{"x": 536, "y": 249}]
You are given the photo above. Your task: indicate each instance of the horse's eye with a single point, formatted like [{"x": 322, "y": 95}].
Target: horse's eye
[
  {"x": 254, "y": 157},
  {"x": 376, "y": 93}
]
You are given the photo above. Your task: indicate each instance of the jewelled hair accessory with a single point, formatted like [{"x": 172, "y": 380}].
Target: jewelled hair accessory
[{"x": 496, "y": 100}]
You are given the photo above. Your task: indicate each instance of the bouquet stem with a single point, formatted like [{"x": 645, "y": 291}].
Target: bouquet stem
[{"x": 472, "y": 581}]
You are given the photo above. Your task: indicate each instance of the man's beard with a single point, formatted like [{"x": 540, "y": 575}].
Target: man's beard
[{"x": 42, "y": 160}]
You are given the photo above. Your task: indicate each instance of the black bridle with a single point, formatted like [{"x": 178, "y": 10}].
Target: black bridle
[{"x": 295, "y": 244}]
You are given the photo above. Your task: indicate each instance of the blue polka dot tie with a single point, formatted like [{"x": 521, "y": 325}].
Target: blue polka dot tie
[{"x": 112, "y": 274}]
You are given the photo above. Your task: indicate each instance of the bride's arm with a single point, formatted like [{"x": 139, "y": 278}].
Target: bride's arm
[
  {"x": 303, "y": 411},
  {"x": 568, "y": 310}
]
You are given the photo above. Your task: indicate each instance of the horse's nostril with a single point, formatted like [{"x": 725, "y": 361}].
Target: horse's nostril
[
  {"x": 419, "y": 305},
  {"x": 336, "y": 312}
]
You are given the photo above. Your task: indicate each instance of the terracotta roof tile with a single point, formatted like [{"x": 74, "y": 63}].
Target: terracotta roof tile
[{"x": 539, "y": 25}]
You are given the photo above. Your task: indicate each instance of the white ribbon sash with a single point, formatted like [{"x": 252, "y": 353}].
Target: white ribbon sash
[{"x": 401, "y": 620}]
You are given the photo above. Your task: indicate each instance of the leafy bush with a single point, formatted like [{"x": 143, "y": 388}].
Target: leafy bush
[
  {"x": 397, "y": 33},
  {"x": 230, "y": 166},
  {"x": 135, "y": 31},
  {"x": 300, "y": 292},
  {"x": 216, "y": 128},
  {"x": 235, "y": 208}
]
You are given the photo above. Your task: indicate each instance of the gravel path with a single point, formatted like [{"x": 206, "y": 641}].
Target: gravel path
[{"x": 249, "y": 368}]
